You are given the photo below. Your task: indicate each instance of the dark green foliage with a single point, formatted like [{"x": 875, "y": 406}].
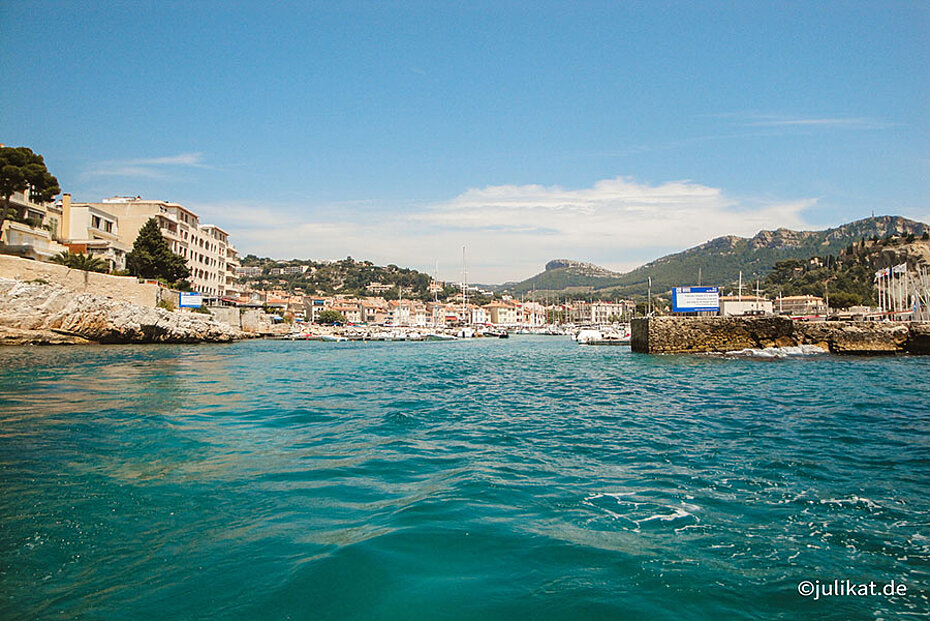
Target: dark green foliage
[
  {"x": 84, "y": 262},
  {"x": 152, "y": 258},
  {"x": 347, "y": 276},
  {"x": 21, "y": 169},
  {"x": 846, "y": 280},
  {"x": 844, "y": 299},
  {"x": 330, "y": 316}
]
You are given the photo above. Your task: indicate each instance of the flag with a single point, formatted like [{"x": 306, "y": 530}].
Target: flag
[{"x": 900, "y": 269}]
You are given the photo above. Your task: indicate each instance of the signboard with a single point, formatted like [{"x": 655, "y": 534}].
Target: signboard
[
  {"x": 190, "y": 300},
  {"x": 695, "y": 299}
]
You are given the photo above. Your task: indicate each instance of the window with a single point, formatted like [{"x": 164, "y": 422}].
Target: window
[
  {"x": 108, "y": 226},
  {"x": 95, "y": 222}
]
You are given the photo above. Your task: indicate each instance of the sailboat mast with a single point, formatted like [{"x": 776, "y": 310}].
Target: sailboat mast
[{"x": 464, "y": 289}]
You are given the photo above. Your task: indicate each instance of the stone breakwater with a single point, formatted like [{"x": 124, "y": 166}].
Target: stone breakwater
[
  {"x": 32, "y": 313},
  {"x": 668, "y": 335}
]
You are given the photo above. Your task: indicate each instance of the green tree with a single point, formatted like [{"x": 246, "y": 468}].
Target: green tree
[
  {"x": 330, "y": 316},
  {"x": 152, "y": 258},
  {"x": 85, "y": 262},
  {"x": 22, "y": 169},
  {"x": 844, "y": 299}
]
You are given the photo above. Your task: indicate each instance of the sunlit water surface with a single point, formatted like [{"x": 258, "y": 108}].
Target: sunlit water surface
[{"x": 527, "y": 478}]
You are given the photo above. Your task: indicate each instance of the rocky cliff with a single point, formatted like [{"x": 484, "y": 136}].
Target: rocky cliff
[{"x": 50, "y": 314}]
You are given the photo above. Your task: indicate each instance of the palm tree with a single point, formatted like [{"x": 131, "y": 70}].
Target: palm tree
[{"x": 79, "y": 261}]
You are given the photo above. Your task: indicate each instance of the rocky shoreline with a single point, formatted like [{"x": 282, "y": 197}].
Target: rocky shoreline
[
  {"x": 42, "y": 314},
  {"x": 656, "y": 335}
]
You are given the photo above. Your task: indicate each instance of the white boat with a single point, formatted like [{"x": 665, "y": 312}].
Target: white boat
[
  {"x": 439, "y": 336},
  {"x": 333, "y": 338},
  {"x": 605, "y": 336}
]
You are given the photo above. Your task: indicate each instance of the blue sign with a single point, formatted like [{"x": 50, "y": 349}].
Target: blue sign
[
  {"x": 695, "y": 299},
  {"x": 190, "y": 300}
]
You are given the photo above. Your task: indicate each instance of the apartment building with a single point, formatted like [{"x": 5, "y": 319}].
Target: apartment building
[
  {"x": 88, "y": 229},
  {"x": 205, "y": 247},
  {"x": 501, "y": 313},
  {"x": 598, "y": 312},
  {"x": 232, "y": 288},
  {"x": 31, "y": 228},
  {"x": 800, "y": 305}
]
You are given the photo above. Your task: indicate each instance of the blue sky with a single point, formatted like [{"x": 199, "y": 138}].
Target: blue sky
[{"x": 612, "y": 132}]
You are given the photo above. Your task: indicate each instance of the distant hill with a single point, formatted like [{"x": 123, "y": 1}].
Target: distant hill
[
  {"x": 719, "y": 260},
  {"x": 566, "y": 275}
]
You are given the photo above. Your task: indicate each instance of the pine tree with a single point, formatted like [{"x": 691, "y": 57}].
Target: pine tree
[
  {"x": 152, "y": 258},
  {"x": 21, "y": 169}
]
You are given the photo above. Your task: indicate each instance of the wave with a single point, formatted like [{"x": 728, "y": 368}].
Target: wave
[{"x": 778, "y": 352}]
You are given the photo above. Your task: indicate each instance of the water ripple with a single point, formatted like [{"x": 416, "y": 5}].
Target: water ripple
[{"x": 493, "y": 479}]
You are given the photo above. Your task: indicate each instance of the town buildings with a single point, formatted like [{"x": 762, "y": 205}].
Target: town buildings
[{"x": 112, "y": 225}]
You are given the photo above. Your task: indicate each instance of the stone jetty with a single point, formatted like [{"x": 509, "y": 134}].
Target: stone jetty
[
  {"x": 668, "y": 335},
  {"x": 45, "y": 314}
]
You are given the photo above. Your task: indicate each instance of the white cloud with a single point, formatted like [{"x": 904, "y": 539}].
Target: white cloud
[
  {"x": 838, "y": 122},
  {"x": 150, "y": 168},
  {"x": 182, "y": 159},
  {"x": 510, "y": 230}
]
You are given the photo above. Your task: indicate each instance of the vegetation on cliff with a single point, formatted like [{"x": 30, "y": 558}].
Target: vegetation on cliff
[
  {"x": 347, "y": 276},
  {"x": 847, "y": 278}
]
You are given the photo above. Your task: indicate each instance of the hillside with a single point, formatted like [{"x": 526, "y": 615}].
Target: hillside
[
  {"x": 847, "y": 279},
  {"x": 719, "y": 260},
  {"x": 565, "y": 275},
  {"x": 347, "y": 277}
]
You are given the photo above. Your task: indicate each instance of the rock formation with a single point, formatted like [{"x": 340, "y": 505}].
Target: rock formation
[{"x": 50, "y": 314}]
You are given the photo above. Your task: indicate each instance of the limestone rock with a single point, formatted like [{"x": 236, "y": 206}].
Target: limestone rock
[
  {"x": 41, "y": 307},
  {"x": 16, "y": 336}
]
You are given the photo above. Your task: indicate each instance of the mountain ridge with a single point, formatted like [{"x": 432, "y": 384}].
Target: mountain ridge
[{"x": 716, "y": 261}]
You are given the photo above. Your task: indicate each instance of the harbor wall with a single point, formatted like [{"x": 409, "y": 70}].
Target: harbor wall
[
  {"x": 667, "y": 335},
  {"x": 122, "y": 288},
  {"x": 246, "y": 319}
]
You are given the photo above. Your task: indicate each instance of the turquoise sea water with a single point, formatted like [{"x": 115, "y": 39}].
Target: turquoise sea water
[{"x": 527, "y": 478}]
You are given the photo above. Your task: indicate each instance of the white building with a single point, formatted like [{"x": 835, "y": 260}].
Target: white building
[
  {"x": 598, "y": 312},
  {"x": 205, "y": 247},
  {"x": 735, "y": 305},
  {"x": 89, "y": 229},
  {"x": 37, "y": 236},
  {"x": 801, "y": 305}
]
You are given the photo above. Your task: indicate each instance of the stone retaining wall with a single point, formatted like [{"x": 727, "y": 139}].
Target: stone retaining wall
[
  {"x": 122, "y": 288},
  {"x": 656, "y": 335}
]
